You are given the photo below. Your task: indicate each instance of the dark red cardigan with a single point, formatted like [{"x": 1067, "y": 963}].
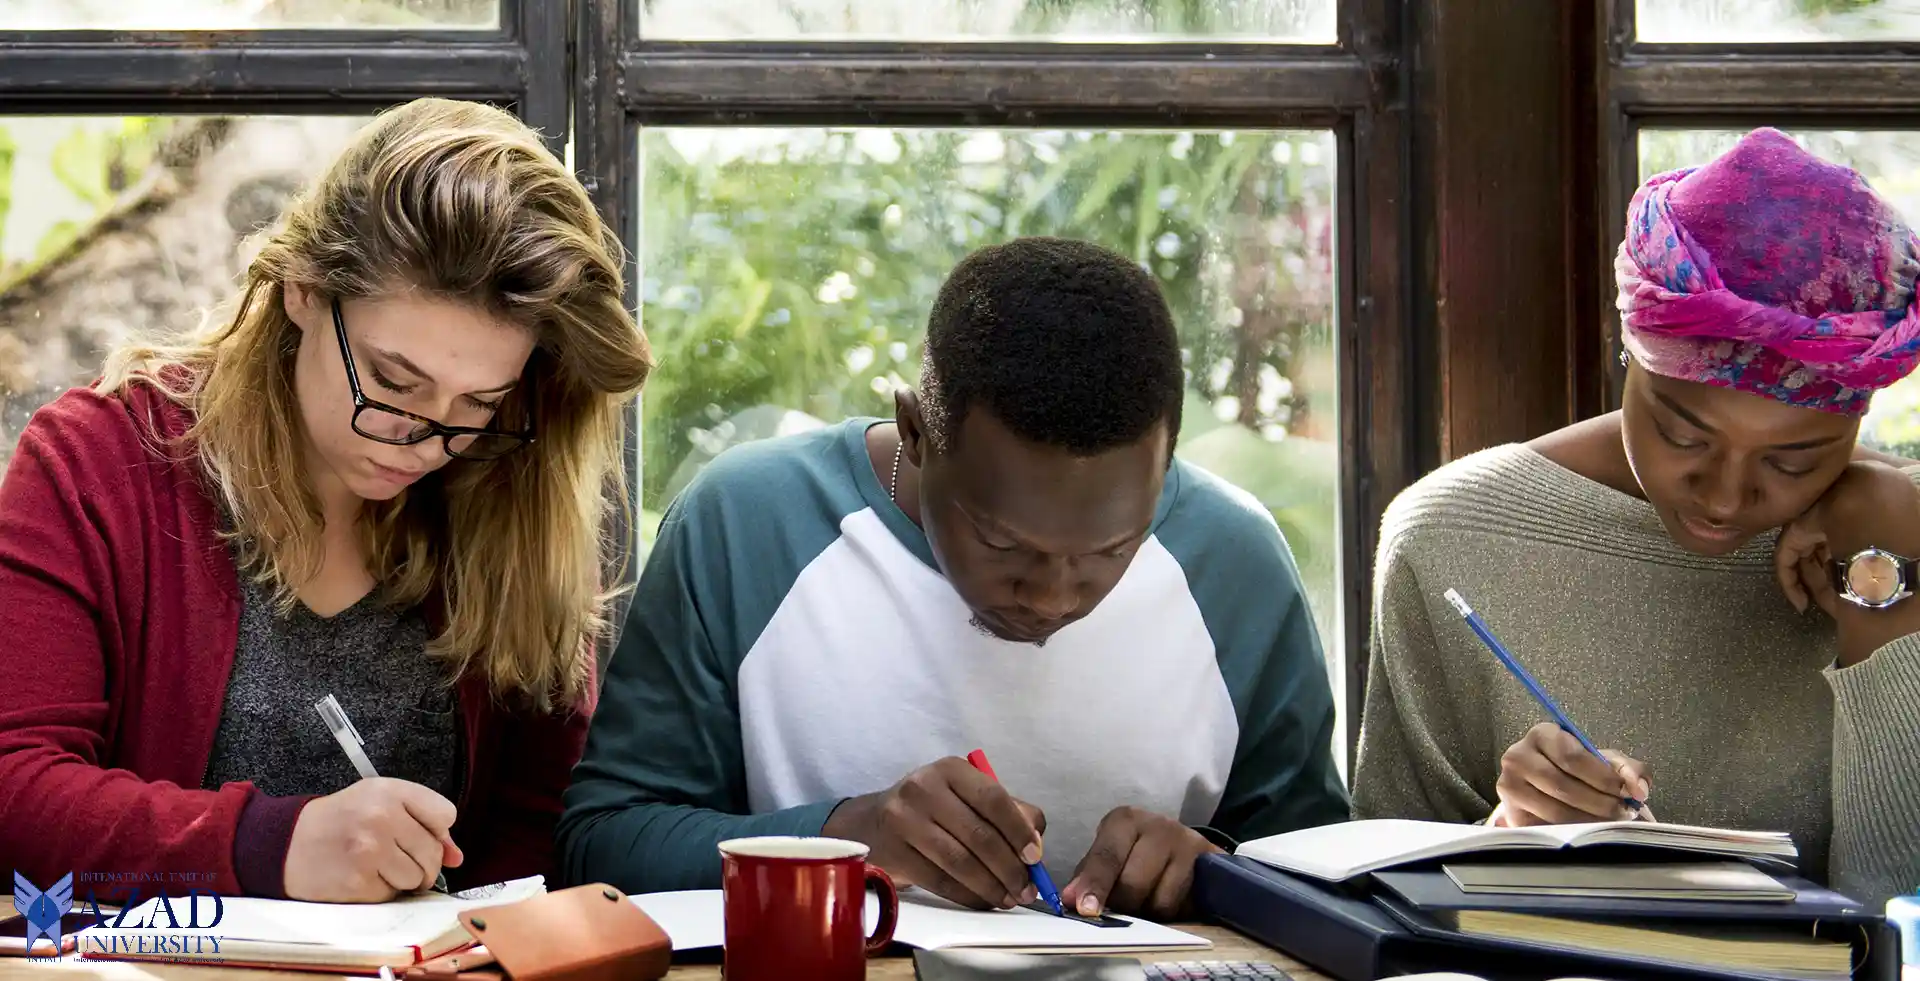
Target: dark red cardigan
[{"x": 119, "y": 612}]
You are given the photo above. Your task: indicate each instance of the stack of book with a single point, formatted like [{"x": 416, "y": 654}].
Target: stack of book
[{"x": 1370, "y": 899}]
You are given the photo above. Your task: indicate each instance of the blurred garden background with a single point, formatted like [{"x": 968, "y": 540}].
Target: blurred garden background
[{"x": 785, "y": 274}]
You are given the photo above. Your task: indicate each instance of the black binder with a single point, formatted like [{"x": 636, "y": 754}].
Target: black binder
[{"x": 1351, "y": 933}]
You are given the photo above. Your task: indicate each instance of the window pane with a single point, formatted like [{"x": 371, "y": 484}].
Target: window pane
[
  {"x": 1726, "y": 21},
  {"x": 1299, "y": 21},
  {"x": 231, "y": 15},
  {"x": 787, "y": 275},
  {"x": 116, "y": 226},
  {"x": 1890, "y": 161}
]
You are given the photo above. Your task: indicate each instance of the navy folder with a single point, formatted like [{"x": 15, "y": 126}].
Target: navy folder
[
  {"x": 1341, "y": 935},
  {"x": 1349, "y": 932}
]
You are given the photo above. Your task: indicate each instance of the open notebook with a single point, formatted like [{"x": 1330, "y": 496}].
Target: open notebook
[
  {"x": 1337, "y": 852},
  {"x": 694, "y": 920},
  {"x": 305, "y": 936}
]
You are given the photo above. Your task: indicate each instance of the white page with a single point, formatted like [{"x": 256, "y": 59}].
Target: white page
[
  {"x": 696, "y": 919},
  {"x": 1337, "y": 852},
  {"x": 692, "y": 919},
  {"x": 930, "y": 923},
  {"x": 1341, "y": 851},
  {"x": 350, "y": 926},
  {"x": 1685, "y": 836}
]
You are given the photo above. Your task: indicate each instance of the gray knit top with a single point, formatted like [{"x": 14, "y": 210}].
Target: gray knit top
[
  {"x": 1697, "y": 666},
  {"x": 373, "y": 660}
]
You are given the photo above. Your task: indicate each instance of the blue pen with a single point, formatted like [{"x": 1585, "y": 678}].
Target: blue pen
[
  {"x": 1042, "y": 882},
  {"x": 1539, "y": 694}
]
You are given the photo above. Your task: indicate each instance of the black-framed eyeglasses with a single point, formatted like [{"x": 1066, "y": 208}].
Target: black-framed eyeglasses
[{"x": 384, "y": 423}]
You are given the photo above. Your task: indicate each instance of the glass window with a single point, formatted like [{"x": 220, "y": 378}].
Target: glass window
[
  {"x": 1890, "y": 161},
  {"x": 1728, "y": 21},
  {"x": 1299, "y": 21},
  {"x": 113, "y": 227},
  {"x": 786, "y": 276},
  {"x": 232, "y": 15}
]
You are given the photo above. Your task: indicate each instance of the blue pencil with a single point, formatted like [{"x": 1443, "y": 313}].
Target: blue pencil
[{"x": 1539, "y": 694}]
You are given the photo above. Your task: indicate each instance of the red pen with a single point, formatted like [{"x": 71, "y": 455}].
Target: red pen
[{"x": 1042, "y": 882}]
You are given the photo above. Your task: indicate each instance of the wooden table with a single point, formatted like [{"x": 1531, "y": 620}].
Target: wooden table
[{"x": 1227, "y": 946}]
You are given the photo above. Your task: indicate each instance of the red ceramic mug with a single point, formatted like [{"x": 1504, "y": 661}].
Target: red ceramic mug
[{"x": 793, "y": 909}]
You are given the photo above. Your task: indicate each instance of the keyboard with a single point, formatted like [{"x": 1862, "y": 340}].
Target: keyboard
[{"x": 1215, "y": 971}]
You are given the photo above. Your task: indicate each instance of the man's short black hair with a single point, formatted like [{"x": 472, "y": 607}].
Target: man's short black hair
[{"x": 1066, "y": 343}]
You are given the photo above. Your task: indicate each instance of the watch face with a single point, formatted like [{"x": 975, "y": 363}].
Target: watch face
[{"x": 1874, "y": 577}]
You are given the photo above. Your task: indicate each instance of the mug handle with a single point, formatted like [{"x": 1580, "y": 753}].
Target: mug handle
[{"x": 889, "y": 909}]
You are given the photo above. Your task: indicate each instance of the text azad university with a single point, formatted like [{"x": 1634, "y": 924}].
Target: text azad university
[{"x": 150, "y": 913}]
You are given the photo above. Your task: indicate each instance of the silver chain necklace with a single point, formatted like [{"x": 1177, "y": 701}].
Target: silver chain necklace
[{"x": 893, "y": 483}]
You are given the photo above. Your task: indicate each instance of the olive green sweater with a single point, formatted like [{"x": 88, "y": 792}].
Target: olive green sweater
[{"x": 1697, "y": 666}]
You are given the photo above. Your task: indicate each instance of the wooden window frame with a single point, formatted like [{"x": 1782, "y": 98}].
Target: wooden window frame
[
  {"x": 1354, "y": 87},
  {"x": 1858, "y": 85},
  {"x": 1428, "y": 288},
  {"x": 524, "y": 64}
]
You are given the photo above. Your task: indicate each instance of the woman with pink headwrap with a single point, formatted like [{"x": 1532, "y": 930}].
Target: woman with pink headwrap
[{"x": 1714, "y": 578}]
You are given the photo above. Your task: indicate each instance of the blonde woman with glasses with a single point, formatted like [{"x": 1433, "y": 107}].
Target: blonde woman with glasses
[{"x": 384, "y": 477}]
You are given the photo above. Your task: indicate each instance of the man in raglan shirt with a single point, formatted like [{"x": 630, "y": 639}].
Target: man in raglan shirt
[{"x": 829, "y": 622}]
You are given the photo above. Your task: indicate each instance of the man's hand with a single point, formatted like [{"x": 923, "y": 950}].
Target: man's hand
[
  {"x": 950, "y": 830},
  {"x": 1141, "y": 863},
  {"x": 370, "y": 842},
  {"x": 1549, "y": 778},
  {"x": 1872, "y": 504}
]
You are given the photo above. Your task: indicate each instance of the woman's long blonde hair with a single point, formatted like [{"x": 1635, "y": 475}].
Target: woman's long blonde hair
[{"x": 463, "y": 202}]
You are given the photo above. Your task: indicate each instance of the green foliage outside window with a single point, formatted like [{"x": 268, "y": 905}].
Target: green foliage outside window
[{"x": 786, "y": 278}]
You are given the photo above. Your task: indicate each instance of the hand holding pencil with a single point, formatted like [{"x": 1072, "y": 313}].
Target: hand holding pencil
[
  {"x": 1549, "y": 778},
  {"x": 1555, "y": 774}
]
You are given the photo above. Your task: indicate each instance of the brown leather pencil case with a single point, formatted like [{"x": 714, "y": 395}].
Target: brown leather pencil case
[{"x": 584, "y": 933}]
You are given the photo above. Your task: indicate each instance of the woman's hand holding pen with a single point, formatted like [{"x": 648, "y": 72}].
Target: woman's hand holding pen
[
  {"x": 373, "y": 841},
  {"x": 950, "y": 830},
  {"x": 1549, "y": 778}
]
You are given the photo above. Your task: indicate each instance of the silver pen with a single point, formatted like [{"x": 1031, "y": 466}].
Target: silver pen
[{"x": 349, "y": 739}]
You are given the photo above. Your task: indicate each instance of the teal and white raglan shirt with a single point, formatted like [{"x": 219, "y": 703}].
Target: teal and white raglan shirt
[{"x": 791, "y": 644}]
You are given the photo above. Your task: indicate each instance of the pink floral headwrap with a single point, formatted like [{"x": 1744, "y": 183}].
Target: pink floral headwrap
[{"x": 1774, "y": 272}]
